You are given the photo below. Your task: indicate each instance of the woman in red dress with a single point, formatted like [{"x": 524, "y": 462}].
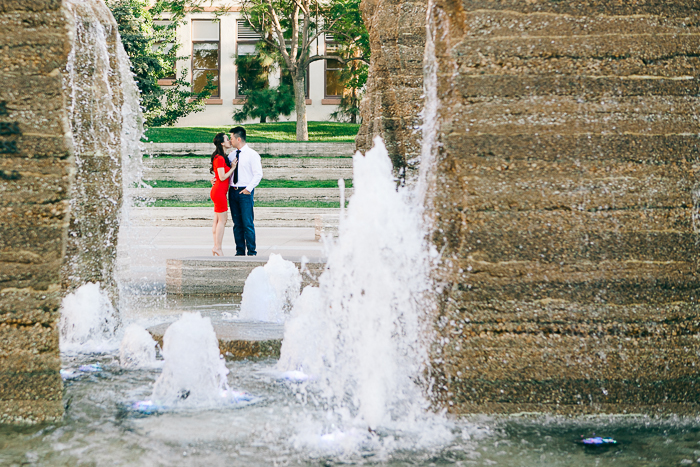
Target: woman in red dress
[{"x": 219, "y": 192}]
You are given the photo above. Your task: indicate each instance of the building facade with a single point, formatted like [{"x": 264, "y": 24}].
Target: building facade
[{"x": 209, "y": 44}]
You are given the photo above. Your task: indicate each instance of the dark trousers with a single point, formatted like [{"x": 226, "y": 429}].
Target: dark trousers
[{"x": 242, "y": 216}]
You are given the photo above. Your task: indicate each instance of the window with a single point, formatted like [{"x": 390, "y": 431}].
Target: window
[
  {"x": 205, "y": 54},
  {"x": 333, "y": 82},
  {"x": 250, "y": 74}
]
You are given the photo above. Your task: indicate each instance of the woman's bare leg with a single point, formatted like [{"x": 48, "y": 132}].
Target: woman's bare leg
[
  {"x": 214, "y": 251},
  {"x": 219, "y": 231}
]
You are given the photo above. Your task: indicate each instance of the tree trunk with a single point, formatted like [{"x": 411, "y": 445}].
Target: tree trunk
[
  {"x": 263, "y": 119},
  {"x": 300, "y": 105}
]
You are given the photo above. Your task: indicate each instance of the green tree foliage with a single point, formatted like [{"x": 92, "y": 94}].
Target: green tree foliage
[
  {"x": 152, "y": 51},
  {"x": 352, "y": 39},
  {"x": 253, "y": 72},
  {"x": 266, "y": 104},
  {"x": 291, "y": 27},
  {"x": 262, "y": 101}
]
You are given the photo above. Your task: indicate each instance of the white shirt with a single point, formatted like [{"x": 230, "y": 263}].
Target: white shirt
[{"x": 249, "y": 168}]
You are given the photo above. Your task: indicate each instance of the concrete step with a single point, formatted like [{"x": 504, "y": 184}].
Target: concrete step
[
  {"x": 263, "y": 194},
  {"x": 240, "y": 340},
  {"x": 190, "y": 169},
  {"x": 264, "y": 217},
  {"x": 206, "y": 275},
  {"x": 274, "y": 149}
]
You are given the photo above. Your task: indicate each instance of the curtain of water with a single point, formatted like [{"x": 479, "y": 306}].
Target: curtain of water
[{"x": 106, "y": 127}]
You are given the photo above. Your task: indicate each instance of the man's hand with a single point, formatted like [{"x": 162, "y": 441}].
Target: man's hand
[{"x": 245, "y": 191}]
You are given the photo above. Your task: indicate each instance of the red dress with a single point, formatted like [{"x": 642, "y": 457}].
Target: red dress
[{"x": 219, "y": 191}]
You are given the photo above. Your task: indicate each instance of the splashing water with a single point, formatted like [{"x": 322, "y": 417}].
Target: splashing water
[
  {"x": 194, "y": 372},
  {"x": 88, "y": 321},
  {"x": 137, "y": 349},
  {"x": 368, "y": 318},
  {"x": 270, "y": 291},
  {"x": 106, "y": 128}
]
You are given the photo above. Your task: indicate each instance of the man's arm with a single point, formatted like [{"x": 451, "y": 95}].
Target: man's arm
[{"x": 256, "y": 166}]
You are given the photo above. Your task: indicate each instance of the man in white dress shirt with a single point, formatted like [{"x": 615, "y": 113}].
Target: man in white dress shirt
[{"x": 245, "y": 178}]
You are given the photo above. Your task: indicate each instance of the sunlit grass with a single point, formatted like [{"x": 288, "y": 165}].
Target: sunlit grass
[{"x": 275, "y": 132}]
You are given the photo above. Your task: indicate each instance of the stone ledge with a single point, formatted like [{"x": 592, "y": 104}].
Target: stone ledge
[
  {"x": 547, "y": 410},
  {"x": 205, "y": 275},
  {"x": 261, "y": 194},
  {"x": 30, "y": 412},
  {"x": 274, "y": 149},
  {"x": 240, "y": 340}
]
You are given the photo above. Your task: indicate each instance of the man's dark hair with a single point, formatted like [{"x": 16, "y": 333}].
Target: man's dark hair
[{"x": 238, "y": 132}]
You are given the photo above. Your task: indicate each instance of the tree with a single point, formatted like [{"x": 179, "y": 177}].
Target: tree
[
  {"x": 354, "y": 77},
  {"x": 292, "y": 26},
  {"x": 266, "y": 104},
  {"x": 352, "y": 42},
  {"x": 152, "y": 52},
  {"x": 253, "y": 72}
]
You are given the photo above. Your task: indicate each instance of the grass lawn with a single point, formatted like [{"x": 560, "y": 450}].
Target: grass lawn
[
  {"x": 172, "y": 203},
  {"x": 275, "y": 132},
  {"x": 264, "y": 183}
]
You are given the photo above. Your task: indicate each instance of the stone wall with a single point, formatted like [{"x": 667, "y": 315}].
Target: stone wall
[
  {"x": 564, "y": 180},
  {"x": 35, "y": 172},
  {"x": 392, "y": 103},
  {"x": 60, "y": 179}
]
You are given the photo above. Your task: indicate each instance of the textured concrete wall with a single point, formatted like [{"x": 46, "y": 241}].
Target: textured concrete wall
[
  {"x": 565, "y": 167},
  {"x": 393, "y": 100},
  {"x": 60, "y": 185},
  {"x": 35, "y": 168}
]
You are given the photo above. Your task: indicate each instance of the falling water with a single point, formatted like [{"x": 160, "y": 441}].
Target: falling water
[{"x": 106, "y": 127}]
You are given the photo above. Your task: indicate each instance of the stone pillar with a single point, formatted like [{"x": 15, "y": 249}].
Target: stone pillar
[
  {"x": 393, "y": 100},
  {"x": 35, "y": 171},
  {"x": 564, "y": 201},
  {"x": 61, "y": 146}
]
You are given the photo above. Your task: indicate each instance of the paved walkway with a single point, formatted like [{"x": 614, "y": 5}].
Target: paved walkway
[
  {"x": 322, "y": 218},
  {"x": 150, "y": 246}
]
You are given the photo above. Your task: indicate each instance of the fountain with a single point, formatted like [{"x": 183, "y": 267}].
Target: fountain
[
  {"x": 368, "y": 318},
  {"x": 518, "y": 301},
  {"x": 270, "y": 291}
]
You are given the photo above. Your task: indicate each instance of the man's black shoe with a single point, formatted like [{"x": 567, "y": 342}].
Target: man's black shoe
[
  {"x": 252, "y": 254},
  {"x": 240, "y": 254}
]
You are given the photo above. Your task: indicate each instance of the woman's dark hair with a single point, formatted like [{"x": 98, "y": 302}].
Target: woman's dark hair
[{"x": 219, "y": 151}]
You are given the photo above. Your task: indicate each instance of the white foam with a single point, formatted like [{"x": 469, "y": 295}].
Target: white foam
[
  {"x": 363, "y": 333},
  {"x": 137, "y": 348},
  {"x": 270, "y": 291},
  {"x": 194, "y": 372},
  {"x": 88, "y": 321}
]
